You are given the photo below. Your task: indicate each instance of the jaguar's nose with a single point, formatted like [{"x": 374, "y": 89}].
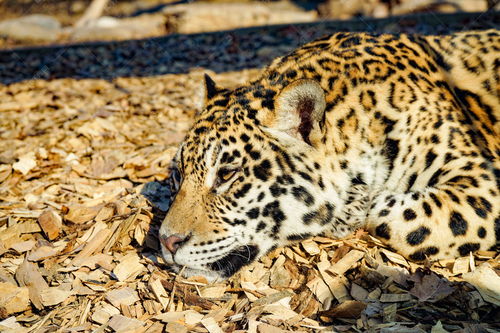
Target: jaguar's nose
[{"x": 173, "y": 242}]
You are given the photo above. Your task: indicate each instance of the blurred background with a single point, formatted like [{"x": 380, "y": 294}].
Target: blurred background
[{"x": 44, "y": 22}]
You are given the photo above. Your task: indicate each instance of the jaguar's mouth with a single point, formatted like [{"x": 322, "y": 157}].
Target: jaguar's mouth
[
  {"x": 220, "y": 269},
  {"x": 234, "y": 260}
]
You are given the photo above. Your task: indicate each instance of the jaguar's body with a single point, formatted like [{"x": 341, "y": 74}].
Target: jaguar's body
[{"x": 394, "y": 134}]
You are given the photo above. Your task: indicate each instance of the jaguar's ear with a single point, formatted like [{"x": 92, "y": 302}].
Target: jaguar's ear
[
  {"x": 299, "y": 110},
  {"x": 210, "y": 89}
]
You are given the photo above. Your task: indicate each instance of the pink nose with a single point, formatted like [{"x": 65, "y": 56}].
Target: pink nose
[{"x": 173, "y": 242}]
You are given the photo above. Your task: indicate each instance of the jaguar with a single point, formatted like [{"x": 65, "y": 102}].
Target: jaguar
[{"x": 397, "y": 134}]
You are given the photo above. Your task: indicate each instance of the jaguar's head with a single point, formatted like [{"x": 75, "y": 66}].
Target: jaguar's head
[{"x": 246, "y": 180}]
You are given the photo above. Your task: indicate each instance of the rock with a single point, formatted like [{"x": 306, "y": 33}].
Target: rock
[{"x": 31, "y": 28}]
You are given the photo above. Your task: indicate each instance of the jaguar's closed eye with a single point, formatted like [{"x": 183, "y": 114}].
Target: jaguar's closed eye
[
  {"x": 225, "y": 174},
  {"x": 175, "y": 179}
]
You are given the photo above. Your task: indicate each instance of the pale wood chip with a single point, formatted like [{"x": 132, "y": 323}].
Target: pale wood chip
[
  {"x": 81, "y": 214},
  {"x": 375, "y": 294},
  {"x": 395, "y": 257},
  {"x": 461, "y": 265},
  {"x": 156, "y": 327},
  {"x": 43, "y": 252},
  {"x": 129, "y": 267},
  {"x": 213, "y": 291},
  {"x": 280, "y": 276},
  {"x": 13, "y": 298},
  {"x": 168, "y": 317},
  {"x": 122, "y": 296},
  {"x": 389, "y": 298},
  {"x": 320, "y": 289},
  {"x": 311, "y": 247},
  {"x": 10, "y": 325},
  {"x": 211, "y": 325},
  {"x": 29, "y": 276},
  {"x": 337, "y": 285},
  {"x": 25, "y": 163},
  {"x": 193, "y": 318},
  {"x": 22, "y": 247},
  {"x": 159, "y": 292},
  {"x": 175, "y": 327},
  {"x": 51, "y": 223},
  {"x": 273, "y": 298},
  {"x": 390, "y": 312},
  {"x": 105, "y": 213},
  {"x": 94, "y": 245},
  {"x": 266, "y": 328},
  {"x": 487, "y": 282},
  {"x": 217, "y": 314},
  {"x": 121, "y": 323},
  {"x": 279, "y": 312},
  {"x": 347, "y": 262},
  {"x": 54, "y": 295},
  {"x": 103, "y": 312}
]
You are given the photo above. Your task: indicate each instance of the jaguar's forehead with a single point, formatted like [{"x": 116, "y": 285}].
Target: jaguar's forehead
[
  {"x": 228, "y": 114},
  {"x": 215, "y": 129}
]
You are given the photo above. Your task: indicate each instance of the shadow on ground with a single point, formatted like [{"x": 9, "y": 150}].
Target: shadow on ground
[{"x": 219, "y": 51}]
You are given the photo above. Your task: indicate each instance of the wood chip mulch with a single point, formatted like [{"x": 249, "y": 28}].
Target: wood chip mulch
[{"x": 79, "y": 248}]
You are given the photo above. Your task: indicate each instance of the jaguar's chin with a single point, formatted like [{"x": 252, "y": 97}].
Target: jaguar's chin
[
  {"x": 218, "y": 270},
  {"x": 187, "y": 272}
]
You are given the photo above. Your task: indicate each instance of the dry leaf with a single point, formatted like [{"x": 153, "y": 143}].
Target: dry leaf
[
  {"x": 430, "y": 287},
  {"x": 347, "y": 309},
  {"x": 438, "y": 328}
]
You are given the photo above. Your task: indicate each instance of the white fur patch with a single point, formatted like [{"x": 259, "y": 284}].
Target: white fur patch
[{"x": 211, "y": 164}]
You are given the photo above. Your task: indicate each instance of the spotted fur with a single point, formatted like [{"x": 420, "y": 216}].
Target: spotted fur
[{"x": 397, "y": 134}]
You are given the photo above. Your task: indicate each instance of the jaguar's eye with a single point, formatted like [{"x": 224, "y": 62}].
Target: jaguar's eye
[{"x": 225, "y": 174}]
